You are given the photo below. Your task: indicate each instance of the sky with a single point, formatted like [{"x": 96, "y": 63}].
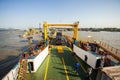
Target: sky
[{"x": 30, "y": 13}]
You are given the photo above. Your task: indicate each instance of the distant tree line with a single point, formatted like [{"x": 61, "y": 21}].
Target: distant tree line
[
  {"x": 96, "y": 29},
  {"x": 71, "y": 29},
  {"x": 100, "y": 29}
]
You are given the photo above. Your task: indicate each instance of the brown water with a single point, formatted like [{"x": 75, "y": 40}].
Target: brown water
[
  {"x": 11, "y": 44},
  {"x": 10, "y": 48},
  {"x": 112, "y": 38}
]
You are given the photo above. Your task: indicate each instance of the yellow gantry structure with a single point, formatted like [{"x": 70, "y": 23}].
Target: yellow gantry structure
[{"x": 75, "y": 25}]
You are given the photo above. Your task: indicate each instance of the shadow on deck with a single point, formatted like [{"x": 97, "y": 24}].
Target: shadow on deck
[{"x": 56, "y": 69}]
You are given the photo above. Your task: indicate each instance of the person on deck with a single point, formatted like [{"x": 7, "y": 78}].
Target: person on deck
[
  {"x": 76, "y": 66},
  {"x": 107, "y": 61},
  {"x": 102, "y": 62},
  {"x": 89, "y": 71},
  {"x": 86, "y": 58}
]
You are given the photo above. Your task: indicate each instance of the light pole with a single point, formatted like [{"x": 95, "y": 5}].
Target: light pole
[{"x": 89, "y": 38}]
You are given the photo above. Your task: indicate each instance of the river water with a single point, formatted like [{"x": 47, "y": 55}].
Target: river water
[
  {"x": 10, "y": 44},
  {"x": 10, "y": 47},
  {"x": 111, "y": 38}
]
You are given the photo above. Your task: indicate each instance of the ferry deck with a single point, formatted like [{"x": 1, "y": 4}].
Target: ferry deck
[{"x": 60, "y": 66}]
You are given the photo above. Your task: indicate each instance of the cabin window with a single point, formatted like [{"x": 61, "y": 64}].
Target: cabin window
[{"x": 31, "y": 67}]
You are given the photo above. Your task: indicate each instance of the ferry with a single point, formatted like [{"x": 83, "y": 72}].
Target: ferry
[{"x": 55, "y": 58}]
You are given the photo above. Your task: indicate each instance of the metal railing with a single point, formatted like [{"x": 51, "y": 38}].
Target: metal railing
[
  {"x": 110, "y": 48},
  {"x": 113, "y": 51}
]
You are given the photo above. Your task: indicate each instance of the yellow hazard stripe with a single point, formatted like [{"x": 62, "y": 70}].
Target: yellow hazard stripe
[
  {"x": 45, "y": 76},
  {"x": 67, "y": 77}
]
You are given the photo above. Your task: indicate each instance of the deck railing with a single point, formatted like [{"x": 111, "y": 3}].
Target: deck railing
[
  {"x": 113, "y": 51},
  {"x": 110, "y": 48}
]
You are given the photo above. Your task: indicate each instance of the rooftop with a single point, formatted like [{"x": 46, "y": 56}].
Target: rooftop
[{"x": 112, "y": 72}]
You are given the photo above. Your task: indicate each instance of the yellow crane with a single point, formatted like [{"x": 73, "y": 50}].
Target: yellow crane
[
  {"x": 75, "y": 25},
  {"x": 30, "y": 31}
]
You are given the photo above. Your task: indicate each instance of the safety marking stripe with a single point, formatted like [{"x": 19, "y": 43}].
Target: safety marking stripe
[
  {"x": 67, "y": 77},
  {"x": 45, "y": 76}
]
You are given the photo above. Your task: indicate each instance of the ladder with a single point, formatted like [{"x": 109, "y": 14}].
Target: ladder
[{"x": 22, "y": 66}]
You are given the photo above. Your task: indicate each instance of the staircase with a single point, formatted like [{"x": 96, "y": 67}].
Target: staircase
[{"x": 22, "y": 67}]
